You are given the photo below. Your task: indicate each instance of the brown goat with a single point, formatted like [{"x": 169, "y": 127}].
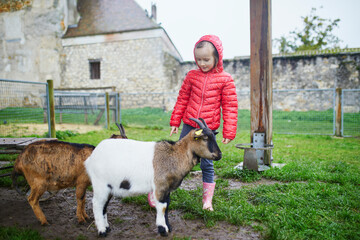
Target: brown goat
[
  {"x": 54, "y": 165},
  {"x": 51, "y": 166}
]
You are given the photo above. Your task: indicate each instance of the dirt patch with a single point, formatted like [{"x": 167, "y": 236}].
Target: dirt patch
[
  {"x": 195, "y": 180},
  {"x": 127, "y": 221},
  {"x": 40, "y": 129}
]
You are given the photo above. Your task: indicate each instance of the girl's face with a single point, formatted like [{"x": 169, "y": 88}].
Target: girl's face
[{"x": 205, "y": 57}]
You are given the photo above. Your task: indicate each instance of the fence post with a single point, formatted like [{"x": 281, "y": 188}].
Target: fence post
[
  {"x": 117, "y": 104},
  {"x": 85, "y": 112},
  {"x": 120, "y": 107},
  {"x": 338, "y": 112},
  {"x": 107, "y": 111},
  {"x": 52, "y": 108}
]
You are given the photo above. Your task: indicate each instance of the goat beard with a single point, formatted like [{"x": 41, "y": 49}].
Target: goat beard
[{"x": 196, "y": 159}]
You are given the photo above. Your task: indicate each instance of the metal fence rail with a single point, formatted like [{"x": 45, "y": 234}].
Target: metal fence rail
[
  {"x": 21, "y": 108},
  {"x": 24, "y": 109},
  {"x": 163, "y": 100},
  {"x": 304, "y": 111},
  {"x": 85, "y": 108},
  {"x": 350, "y": 114},
  {"x": 298, "y": 111}
]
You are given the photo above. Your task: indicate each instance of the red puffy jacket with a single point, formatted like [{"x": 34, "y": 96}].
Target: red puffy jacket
[{"x": 203, "y": 94}]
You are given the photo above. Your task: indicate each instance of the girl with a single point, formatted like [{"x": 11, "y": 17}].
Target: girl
[{"x": 204, "y": 92}]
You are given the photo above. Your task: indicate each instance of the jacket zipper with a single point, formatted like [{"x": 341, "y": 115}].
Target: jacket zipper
[{"x": 202, "y": 96}]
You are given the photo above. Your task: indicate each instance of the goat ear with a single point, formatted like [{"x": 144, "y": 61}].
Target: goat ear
[
  {"x": 216, "y": 132},
  {"x": 198, "y": 133}
]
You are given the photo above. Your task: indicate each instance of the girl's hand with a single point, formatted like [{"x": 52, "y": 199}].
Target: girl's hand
[
  {"x": 226, "y": 141},
  {"x": 174, "y": 130}
]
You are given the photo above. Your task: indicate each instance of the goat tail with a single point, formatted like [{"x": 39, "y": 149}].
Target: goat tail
[
  {"x": 15, "y": 184},
  {"x": 14, "y": 175}
]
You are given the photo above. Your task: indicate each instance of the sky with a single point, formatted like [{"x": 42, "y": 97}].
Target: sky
[{"x": 186, "y": 21}]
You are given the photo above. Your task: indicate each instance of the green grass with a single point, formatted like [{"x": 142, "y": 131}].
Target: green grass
[
  {"x": 314, "y": 196},
  {"x": 293, "y": 122},
  {"x": 36, "y": 115},
  {"x": 15, "y": 233},
  {"x": 153, "y": 118},
  {"x": 21, "y": 115}
]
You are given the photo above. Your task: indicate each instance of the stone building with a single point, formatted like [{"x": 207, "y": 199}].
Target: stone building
[
  {"x": 30, "y": 38},
  {"x": 115, "y": 45}
]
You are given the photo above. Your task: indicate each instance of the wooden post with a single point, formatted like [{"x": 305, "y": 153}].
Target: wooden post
[
  {"x": 98, "y": 118},
  {"x": 52, "y": 108},
  {"x": 107, "y": 111},
  {"x": 338, "y": 112},
  {"x": 261, "y": 72}
]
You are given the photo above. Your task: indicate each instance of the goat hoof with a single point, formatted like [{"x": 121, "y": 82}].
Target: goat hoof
[
  {"x": 82, "y": 221},
  {"x": 108, "y": 229},
  {"x": 102, "y": 234},
  {"x": 162, "y": 231},
  {"x": 169, "y": 227}
]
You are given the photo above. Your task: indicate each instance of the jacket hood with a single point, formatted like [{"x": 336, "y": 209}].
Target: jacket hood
[{"x": 215, "y": 40}]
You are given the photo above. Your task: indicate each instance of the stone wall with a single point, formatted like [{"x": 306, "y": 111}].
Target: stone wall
[
  {"x": 299, "y": 72},
  {"x": 311, "y": 72}
]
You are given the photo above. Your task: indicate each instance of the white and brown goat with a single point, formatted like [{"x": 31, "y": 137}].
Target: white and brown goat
[
  {"x": 128, "y": 167},
  {"x": 54, "y": 165}
]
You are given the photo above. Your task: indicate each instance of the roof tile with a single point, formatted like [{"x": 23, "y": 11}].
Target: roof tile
[{"x": 110, "y": 16}]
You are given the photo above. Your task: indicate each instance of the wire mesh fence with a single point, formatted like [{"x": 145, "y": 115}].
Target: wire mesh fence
[
  {"x": 296, "y": 111},
  {"x": 24, "y": 109},
  {"x": 350, "y": 112},
  {"x": 304, "y": 111},
  {"x": 151, "y": 109},
  {"x": 22, "y": 105},
  {"x": 244, "y": 111},
  {"x": 85, "y": 108},
  {"x": 300, "y": 111}
]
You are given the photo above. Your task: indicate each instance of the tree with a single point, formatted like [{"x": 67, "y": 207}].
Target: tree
[{"x": 316, "y": 35}]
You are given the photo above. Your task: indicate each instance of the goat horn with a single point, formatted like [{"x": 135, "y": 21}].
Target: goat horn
[
  {"x": 121, "y": 128},
  {"x": 203, "y": 121},
  {"x": 122, "y": 131},
  {"x": 201, "y": 125}
]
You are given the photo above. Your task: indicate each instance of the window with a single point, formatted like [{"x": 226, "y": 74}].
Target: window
[{"x": 94, "y": 69}]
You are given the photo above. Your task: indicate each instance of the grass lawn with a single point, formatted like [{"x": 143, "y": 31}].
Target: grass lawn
[
  {"x": 284, "y": 122},
  {"x": 316, "y": 194}
]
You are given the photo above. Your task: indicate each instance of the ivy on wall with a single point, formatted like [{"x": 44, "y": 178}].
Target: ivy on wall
[{"x": 13, "y": 6}]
